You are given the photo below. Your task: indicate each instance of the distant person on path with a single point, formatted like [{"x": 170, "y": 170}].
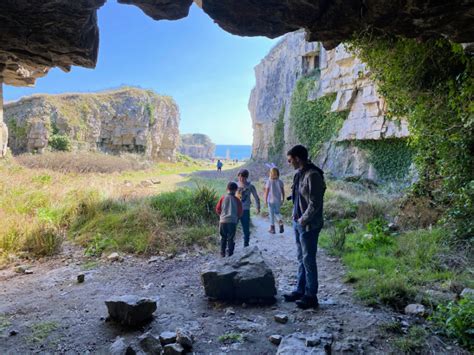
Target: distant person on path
[
  {"x": 274, "y": 196},
  {"x": 229, "y": 208},
  {"x": 245, "y": 190},
  {"x": 219, "y": 165},
  {"x": 307, "y": 195}
]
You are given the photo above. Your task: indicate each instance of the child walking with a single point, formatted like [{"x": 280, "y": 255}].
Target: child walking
[
  {"x": 229, "y": 208},
  {"x": 274, "y": 196},
  {"x": 245, "y": 190}
]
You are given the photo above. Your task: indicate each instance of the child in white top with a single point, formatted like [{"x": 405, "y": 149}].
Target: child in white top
[{"x": 274, "y": 196}]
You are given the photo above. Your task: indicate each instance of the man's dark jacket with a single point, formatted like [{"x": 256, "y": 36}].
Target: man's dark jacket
[{"x": 310, "y": 180}]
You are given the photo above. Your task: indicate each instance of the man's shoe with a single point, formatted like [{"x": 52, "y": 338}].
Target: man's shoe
[
  {"x": 292, "y": 297},
  {"x": 307, "y": 302},
  {"x": 272, "y": 229}
]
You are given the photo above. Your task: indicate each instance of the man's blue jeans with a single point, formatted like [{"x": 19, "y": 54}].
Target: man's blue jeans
[
  {"x": 245, "y": 220},
  {"x": 306, "y": 247}
]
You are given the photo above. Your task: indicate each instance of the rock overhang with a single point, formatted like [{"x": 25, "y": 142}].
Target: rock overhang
[{"x": 62, "y": 33}]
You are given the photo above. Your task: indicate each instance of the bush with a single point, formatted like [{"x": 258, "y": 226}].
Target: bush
[
  {"x": 60, "y": 143},
  {"x": 456, "y": 320},
  {"x": 431, "y": 83}
]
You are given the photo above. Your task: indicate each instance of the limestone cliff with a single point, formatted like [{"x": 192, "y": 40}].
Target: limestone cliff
[
  {"x": 122, "y": 120},
  {"x": 340, "y": 74},
  {"x": 3, "y": 128},
  {"x": 198, "y": 146}
]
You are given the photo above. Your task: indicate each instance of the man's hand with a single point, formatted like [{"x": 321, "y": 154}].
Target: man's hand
[{"x": 299, "y": 220}]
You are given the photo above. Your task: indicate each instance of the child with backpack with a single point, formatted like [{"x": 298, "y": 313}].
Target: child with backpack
[
  {"x": 229, "y": 208},
  {"x": 274, "y": 196}
]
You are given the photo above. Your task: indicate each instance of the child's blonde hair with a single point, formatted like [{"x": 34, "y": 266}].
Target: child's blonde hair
[{"x": 274, "y": 173}]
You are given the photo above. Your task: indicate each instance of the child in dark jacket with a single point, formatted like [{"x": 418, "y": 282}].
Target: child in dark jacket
[{"x": 229, "y": 208}]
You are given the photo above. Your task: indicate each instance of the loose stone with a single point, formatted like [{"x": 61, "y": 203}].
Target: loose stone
[{"x": 281, "y": 318}]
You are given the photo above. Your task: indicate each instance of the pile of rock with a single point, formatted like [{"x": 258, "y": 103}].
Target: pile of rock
[{"x": 168, "y": 343}]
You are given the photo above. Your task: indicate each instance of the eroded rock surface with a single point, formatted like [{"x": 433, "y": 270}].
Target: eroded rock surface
[
  {"x": 197, "y": 146},
  {"x": 244, "y": 276},
  {"x": 340, "y": 74},
  {"x": 124, "y": 120},
  {"x": 51, "y": 33},
  {"x": 61, "y": 33}
]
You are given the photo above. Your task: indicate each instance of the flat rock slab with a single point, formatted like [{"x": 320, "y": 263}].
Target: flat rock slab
[
  {"x": 299, "y": 343},
  {"x": 244, "y": 277},
  {"x": 131, "y": 310}
]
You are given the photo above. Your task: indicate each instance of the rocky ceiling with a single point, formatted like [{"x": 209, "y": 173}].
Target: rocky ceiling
[{"x": 38, "y": 35}]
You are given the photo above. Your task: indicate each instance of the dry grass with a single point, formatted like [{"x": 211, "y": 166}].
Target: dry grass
[
  {"x": 83, "y": 162},
  {"x": 38, "y": 206}
]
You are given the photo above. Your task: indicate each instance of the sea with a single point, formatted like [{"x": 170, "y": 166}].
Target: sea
[{"x": 241, "y": 152}]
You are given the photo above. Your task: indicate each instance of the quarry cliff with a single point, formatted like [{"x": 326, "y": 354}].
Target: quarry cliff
[{"x": 123, "y": 120}]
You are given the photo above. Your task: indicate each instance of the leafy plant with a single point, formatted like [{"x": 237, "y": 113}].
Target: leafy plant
[
  {"x": 431, "y": 83},
  {"x": 456, "y": 320},
  {"x": 60, "y": 143},
  {"x": 312, "y": 120},
  {"x": 391, "y": 158}
]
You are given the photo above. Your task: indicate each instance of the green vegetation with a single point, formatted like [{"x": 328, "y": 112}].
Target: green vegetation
[
  {"x": 60, "y": 142},
  {"x": 431, "y": 83},
  {"x": 4, "y": 322},
  {"x": 456, "y": 320},
  {"x": 312, "y": 121},
  {"x": 114, "y": 212},
  {"x": 231, "y": 338},
  {"x": 388, "y": 268},
  {"x": 41, "y": 331},
  {"x": 166, "y": 222},
  {"x": 414, "y": 341},
  {"x": 275, "y": 152},
  {"x": 391, "y": 158},
  {"x": 150, "y": 110},
  {"x": 15, "y": 130}
]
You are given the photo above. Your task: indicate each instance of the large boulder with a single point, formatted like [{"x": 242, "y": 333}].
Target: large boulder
[
  {"x": 244, "y": 277},
  {"x": 131, "y": 310}
]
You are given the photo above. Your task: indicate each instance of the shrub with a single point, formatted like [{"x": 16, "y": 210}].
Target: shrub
[
  {"x": 44, "y": 240},
  {"x": 456, "y": 320},
  {"x": 60, "y": 143},
  {"x": 431, "y": 83}
]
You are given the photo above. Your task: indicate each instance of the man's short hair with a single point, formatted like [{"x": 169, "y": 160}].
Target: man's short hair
[
  {"x": 232, "y": 186},
  {"x": 244, "y": 173},
  {"x": 298, "y": 151}
]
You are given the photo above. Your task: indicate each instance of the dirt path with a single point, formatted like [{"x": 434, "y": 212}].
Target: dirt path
[{"x": 51, "y": 296}]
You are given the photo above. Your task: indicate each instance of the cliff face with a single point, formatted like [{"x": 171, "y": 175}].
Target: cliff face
[
  {"x": 340, "y": 74},
  {"x": 198, "y": 146},
  {"x": 276, "y": 77},
  {"x": 123, "y": 120}
]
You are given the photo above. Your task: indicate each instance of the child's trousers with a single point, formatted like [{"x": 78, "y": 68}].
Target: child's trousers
[{"x": 227, "y": 232}]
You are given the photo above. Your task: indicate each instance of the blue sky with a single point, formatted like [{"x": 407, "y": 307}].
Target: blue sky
[{"x": 208, "y": 71}]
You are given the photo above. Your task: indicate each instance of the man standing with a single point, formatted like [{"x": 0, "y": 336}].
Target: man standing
[
  {"x": 245, "y": 190},
  {"x": 307, "y": 195}
]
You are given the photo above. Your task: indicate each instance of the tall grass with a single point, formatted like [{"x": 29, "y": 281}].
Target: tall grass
[{"x": 39, "y": 208}]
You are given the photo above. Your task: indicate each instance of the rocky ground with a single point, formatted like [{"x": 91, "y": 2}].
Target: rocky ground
[{"x": 51, "y": 312}]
